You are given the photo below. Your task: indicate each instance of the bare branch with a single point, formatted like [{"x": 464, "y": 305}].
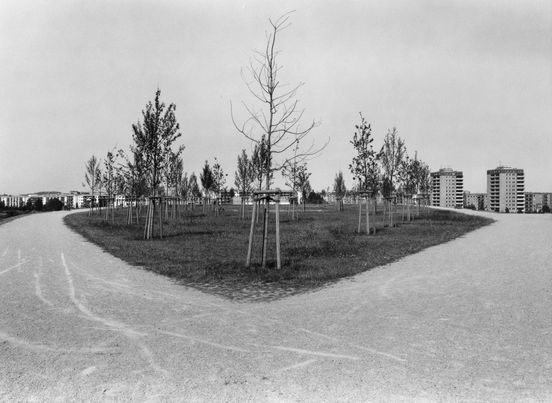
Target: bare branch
[{"x": 276, "y": 129}]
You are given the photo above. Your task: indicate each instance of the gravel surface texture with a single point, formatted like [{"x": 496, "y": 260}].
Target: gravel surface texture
[{"x": 469, "y": 320}]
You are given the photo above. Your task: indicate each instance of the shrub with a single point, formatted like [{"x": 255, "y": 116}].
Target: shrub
[{"x": 53, "y": 205}]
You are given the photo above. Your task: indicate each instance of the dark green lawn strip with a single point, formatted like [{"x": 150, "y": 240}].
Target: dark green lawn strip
[
  {"x": 10, "y": 215},
  {"x": 208, "y": 252}
]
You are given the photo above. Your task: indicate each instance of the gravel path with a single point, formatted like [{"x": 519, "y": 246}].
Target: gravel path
[{"x": 467, "y": 320}]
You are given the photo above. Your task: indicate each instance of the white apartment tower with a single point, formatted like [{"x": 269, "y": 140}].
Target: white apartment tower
[
  {"x": 447, "y": 188},
  {"x": 506, "y": 189}
]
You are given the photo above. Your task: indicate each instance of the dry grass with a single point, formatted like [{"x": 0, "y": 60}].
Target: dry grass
[{"x": 208, "y": 252}]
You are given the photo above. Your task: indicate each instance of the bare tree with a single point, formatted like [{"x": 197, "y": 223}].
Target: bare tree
[
  {"x": 108, "y": 180},
  {"x": 91, "y": 176},
  {"x": 277, "y": 126}
]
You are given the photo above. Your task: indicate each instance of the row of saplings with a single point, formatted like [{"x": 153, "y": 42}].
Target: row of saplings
[{"x": 162, "y": 208}]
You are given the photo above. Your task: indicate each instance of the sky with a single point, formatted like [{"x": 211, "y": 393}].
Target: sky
[{"x": 467, "y": 84}]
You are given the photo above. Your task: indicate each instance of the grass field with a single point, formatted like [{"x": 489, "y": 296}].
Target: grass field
[{"x": 208, "y": 252}]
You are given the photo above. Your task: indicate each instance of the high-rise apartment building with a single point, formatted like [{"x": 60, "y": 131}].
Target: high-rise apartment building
[
  {"x": 506, "y": 189},
  {"x": 447, "y": 188}
]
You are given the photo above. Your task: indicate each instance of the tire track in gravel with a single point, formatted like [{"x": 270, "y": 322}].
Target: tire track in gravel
[{"x": 114, "y": 325}]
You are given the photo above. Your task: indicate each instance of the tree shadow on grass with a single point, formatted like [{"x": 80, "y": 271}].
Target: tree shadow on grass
[
  {"x": 251, "y": 285},
  {"x": 255, "y": 291}
]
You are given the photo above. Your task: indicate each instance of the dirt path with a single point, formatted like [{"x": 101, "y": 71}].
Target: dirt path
[{"x": 467, "y": 320}]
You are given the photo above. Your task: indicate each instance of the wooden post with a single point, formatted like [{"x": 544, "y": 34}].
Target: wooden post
[
  {"x": 278, "y": 260},
  {"x": 152, "y": 219},
  {"x": 367, "y": 216},
  {"x": 251, "y": 231},
  {"x": 359, "y": 215},
  {"x": 242, "y": 208},
  {"x": 148, "y": 220},
  {"x": 161, "y": 218},
  {"x": 289, "y": 208},
  {"x": 147, "y": 226},
  {"x": 375, "y": 215},
  {"x": 390, "y": 214},
  {"x": 383, "y": 215},
  {"x": 265, "y": 231}
]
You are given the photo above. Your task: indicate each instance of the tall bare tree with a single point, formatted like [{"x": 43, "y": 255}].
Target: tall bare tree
[
  {"x": 108, "y": 180},
  {"x": 276, "y": 127},
  {"x": 91, "y": 177}
]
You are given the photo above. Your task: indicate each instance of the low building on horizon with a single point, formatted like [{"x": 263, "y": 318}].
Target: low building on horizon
[
  {"x": 538, "y": 202},
  {"x": 477, "y": 201}
]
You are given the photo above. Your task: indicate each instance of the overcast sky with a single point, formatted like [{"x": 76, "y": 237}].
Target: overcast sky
[{"x": 468, "y": 84}]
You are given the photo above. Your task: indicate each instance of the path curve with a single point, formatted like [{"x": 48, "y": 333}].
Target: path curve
[{"x": 466, "y": 320}]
